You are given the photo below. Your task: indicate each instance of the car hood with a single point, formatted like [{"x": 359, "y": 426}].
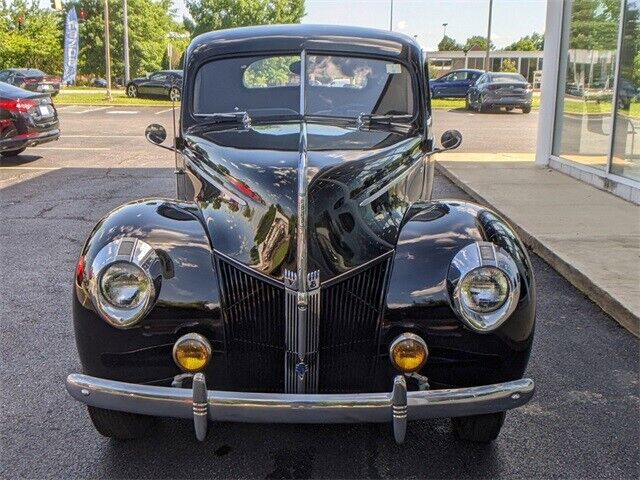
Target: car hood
[{"x": 247, "y": 184}]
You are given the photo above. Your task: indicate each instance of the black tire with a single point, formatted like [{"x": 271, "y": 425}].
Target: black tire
[
  {"x": 12, "y": 153},
  {"x": 132, "y": 91},
  {"x": 478, "y": 428},
  {"x": 175, "y": 94},
  {"x": 508, "y": 109},
  {"x": 482, "y": 108},
  {"x": 526, "y": 109},
  {"x": 120, "y": 425}
]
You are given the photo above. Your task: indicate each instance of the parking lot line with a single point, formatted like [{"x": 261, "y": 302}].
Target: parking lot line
[
  {"x": 164, "y": 111},
  {"x": 123, "y": 112},
  {"x": 74, "y": 148},
  {"x": 29, "y": 168},
  {"x": 103, "y": 136},
  {"x": 91, "y": 110}
]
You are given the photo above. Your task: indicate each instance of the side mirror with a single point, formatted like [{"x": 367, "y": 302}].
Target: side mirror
[
  {"x": 450, "y": 140},
  {"x": 155, "y": 133}
]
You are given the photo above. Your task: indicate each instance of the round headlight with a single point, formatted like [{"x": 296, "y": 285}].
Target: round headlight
[
  {"x": 125, "y": 285},
  {"x": 408, "y": 352},
  {"x": 484, "y": 289},
  {"x": 192, "y": 352}
]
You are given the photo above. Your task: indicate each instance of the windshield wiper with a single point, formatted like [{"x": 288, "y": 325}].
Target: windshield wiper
[
  {"x": 218, "y": 118},
  {"x": 367, "y": 121}
]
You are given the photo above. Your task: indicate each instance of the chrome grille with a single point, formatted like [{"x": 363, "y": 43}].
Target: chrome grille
[
  {"x": 253, "y": 315},
  {"x": 350, "y": 316}
]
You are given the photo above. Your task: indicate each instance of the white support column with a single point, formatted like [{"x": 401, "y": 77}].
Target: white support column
[{"x": 549, "y": 87}]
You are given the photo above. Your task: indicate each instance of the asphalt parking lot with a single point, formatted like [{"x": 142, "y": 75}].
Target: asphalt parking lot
[{"x": 582, "y": 423}]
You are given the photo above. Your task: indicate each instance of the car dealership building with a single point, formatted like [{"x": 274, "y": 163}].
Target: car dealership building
[{"x": 590, "y": 114}]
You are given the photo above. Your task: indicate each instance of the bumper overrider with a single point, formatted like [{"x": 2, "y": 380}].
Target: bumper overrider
[{"x": 396, "y": 406}]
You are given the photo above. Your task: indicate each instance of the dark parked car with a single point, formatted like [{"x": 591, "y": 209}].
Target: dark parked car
[
  {"x": 26, "y": 119},
  {"x": 500, "y": 90},
  {"x": 165, "y": 83},
  {"x": 31, "y": 79},
  {"x": 303, "y": 274},
  {"x": 454, "y": 84}
]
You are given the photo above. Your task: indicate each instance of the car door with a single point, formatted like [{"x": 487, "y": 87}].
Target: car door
[
  {"x": 475, "y": 88},
  {"x": 471, "y": 79},
  {"x": 459, "y": 84},
  {"x": 441, "y": 86},
  {"x": 156, "y": 84}
]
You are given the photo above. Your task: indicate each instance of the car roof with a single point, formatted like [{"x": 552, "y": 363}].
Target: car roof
[
  {"x": 298, "y": 37},
  {"x": 24, "y": 70}
]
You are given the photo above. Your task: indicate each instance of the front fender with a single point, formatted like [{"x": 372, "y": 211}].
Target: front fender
[
  {"x": 418, "y": 299},
  {"x": 187, "y": 297}
]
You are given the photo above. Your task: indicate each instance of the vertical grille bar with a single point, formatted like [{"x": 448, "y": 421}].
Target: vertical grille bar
[
  {"x": 350, "y": 317},
  {"x": 253, "y": 311}
]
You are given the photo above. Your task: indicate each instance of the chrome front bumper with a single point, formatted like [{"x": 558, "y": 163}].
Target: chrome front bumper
[{"x": 203, "y": 405}]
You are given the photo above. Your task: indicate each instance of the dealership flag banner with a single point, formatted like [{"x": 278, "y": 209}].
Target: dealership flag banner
[{"x": 71, "y": 46}]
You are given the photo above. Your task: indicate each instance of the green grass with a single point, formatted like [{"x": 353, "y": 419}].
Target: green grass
[
  {"x": 450, "y": 103},
  {"x": 98, "y": 97},
  {"x": 580, "y": 107}
]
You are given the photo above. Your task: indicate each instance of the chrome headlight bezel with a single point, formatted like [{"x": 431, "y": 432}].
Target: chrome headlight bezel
[
  {"x": 123, "y": 250},
  {"x": 469, "y": 259}
]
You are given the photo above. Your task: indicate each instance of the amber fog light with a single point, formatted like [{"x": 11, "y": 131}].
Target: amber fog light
[
  {"x": 192, "y": 352},
  {"x": 408, "y": 352}
]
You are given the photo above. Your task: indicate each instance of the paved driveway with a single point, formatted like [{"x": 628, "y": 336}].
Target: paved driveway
[{"x": 583, "y": 421}]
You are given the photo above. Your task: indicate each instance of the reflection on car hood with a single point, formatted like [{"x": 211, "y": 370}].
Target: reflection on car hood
[{"x": 247, "y": 186}]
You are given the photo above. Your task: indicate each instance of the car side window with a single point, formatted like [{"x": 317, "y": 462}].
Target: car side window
[
  {"x": 158, "y": 77},
  {"x": 4, "y": 76}
]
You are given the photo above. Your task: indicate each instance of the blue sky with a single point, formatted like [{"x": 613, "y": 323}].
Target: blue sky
[{"x": 512, "y": 19}]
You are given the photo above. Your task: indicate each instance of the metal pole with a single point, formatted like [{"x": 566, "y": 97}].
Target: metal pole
[
  {"x": 391, "y": 18},
  {"x": 487, "y": 58},
  {"x": 444, "y": 29},
  {"x": 107, "y": 52},
  {"x": 125, "y": 20}
]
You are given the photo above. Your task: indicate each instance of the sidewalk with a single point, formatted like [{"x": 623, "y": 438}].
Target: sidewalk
[{"x": 589, "y": 236}]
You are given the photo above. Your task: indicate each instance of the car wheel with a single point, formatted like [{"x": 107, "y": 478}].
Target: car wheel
[
  {"x": 120, "y": 425},
  {"x": 508, "y": 109},
  {"x": 478, "y": 428},
  {"x": 526, "y": 109},
  {"x": 12, "y": 153},
  {"x": 132, "y": 91},
  {"x": 174, "y": 94}
]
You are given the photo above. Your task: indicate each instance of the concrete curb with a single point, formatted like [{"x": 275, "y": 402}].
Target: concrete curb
[{"x": 619, "y": 312}]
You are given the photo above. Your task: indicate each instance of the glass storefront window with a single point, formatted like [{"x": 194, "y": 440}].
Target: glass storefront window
[
  {"x": 586, "y": 82},
  {"x": 626, "y": 145}
]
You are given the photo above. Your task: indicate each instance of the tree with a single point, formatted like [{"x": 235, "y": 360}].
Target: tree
[
  {"x": 477, "y": 42},
  {"x": 528, "y": 43},
  {"x": 36, "y": 42},
  {"x": 594, "y": 24},
  {"x": 508, "y": 66},
  {"x": 448, "y": 44},
  {"x": 219, "y": 14},
  {"x": 149, "y": 23}
]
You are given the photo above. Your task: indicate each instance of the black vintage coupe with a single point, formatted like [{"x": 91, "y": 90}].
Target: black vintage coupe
[{"x": 303, "y": 274}]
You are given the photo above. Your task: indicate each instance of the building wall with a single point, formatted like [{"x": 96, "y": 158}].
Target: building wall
[{"x": 590, "y": 116}]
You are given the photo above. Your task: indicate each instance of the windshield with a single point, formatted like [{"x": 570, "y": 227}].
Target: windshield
[
  {"x": 507, "y": 77},
  {"x": 335, "y": 86}
]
